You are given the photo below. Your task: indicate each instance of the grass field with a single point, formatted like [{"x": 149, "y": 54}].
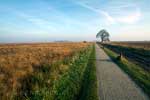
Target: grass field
[{"x": 40, "y": 71}]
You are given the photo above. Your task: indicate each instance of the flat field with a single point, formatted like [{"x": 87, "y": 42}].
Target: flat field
[
  {"x": 20, "y": 64},
  {"x": 136, "y": 44}
]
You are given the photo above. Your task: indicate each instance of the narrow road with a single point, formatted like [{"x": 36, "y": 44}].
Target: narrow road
[{"x": 113, "y": 83}]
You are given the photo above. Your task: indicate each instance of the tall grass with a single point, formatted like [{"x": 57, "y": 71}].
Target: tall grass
[
  {"x": 26, "y": 69},
  {"x": 39, "y": 84},
  {"x": 42, "y": 84}
]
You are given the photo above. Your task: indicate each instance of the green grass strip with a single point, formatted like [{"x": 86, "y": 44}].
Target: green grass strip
[
  {"x": 137, "y": 74},
  {"x": 89, "y": 89},
  {"x": 69, "y": 85}
]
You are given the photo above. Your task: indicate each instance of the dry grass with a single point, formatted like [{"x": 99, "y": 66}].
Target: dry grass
[{"x": 20, "y": 60}]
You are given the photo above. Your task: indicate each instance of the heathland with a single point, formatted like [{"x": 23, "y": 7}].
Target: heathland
[{"x": 44, "y": 70}]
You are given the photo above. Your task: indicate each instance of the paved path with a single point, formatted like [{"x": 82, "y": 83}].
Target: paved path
[{"x": 113, "y": 83}]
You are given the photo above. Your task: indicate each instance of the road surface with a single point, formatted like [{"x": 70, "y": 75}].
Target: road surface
[{"x": 113, "y": 83}]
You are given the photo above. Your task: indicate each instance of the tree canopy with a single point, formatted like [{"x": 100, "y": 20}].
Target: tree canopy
[{"x": 103, "y": 34}]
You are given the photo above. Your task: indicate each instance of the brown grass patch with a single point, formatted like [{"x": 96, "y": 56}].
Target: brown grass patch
[{"x": 17, "y": 61}]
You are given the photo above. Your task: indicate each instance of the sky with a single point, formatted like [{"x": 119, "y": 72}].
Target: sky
[{"x": 73, "y": 20}]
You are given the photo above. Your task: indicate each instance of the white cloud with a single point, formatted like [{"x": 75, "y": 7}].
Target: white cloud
[
  {"x": 129, "y": 18},
  {"x": 109, "y": 18}
]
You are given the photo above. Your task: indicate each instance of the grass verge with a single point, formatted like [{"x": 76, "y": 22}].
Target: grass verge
[
  {"x": 69, "y": 85},
  {"x": 137, "y": 74},
  {"x": 89, "y": 88},
  {"x": 80, "y": 83}
]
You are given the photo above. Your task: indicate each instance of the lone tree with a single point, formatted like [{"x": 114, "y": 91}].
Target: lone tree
[{"x": 103, "y": 34}]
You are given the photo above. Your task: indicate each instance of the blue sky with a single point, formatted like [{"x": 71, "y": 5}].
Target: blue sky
[{"x": 49, "y": 20}]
